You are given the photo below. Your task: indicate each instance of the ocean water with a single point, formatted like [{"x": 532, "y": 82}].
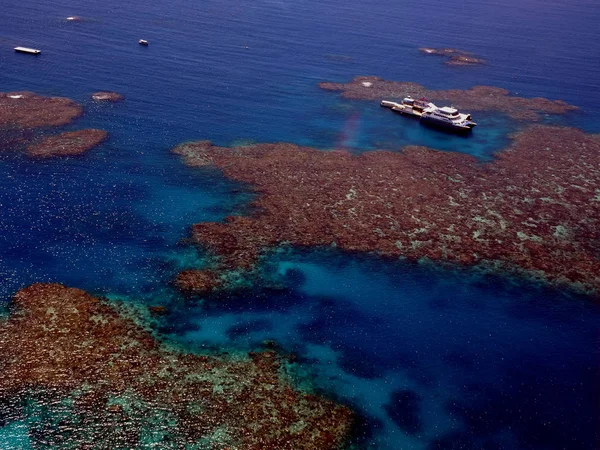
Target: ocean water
[
  {"x": 490, "y": 364},
  {"x": 430, "y": 358}
]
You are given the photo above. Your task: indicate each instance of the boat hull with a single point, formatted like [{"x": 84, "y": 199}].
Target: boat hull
[
  {"x": 29, "y": 51},
  {"x": 407, "y": 112},
  {"x": 459, "y": 129}
]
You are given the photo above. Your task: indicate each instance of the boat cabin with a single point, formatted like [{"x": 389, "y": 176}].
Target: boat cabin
[{"x": 448, "y": 112}]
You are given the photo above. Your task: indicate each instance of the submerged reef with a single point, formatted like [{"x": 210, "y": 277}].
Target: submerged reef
[
  {"x": 105, "y": 96},
  {"x": 67, "y": 144},
  {"x": 198, "y": 281},
  {"x": 478, "y": 98},
  {"x": 464, "y": 60},
  {"x": 535, "y": 209},
  {"x": 29, "y": 110},
  {"x": 97, "y": 379},
  {"x": 22, "y": 114},
  {"x": 454, "y": 56}
]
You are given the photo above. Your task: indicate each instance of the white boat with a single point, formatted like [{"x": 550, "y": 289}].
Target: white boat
[
  {"x": 448, "y": 118},
  {"x": 412, "y": 107},
  {"x": 31, "y": 51},
  {"x": 143, "y": 42}
]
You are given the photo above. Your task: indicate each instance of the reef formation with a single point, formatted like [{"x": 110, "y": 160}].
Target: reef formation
[
  {"x": 105, "y": 96},
  {"x": 93, "y": 378},
  {"x": 535, "y": 209},
  {"x": 29, "y": 110},
  {"x": 454, "y": 56},
  {"x": 24, "y": 116},
  {"x": 198, "y": 281},
  {"x": 478, "y": 98},
  {"x": 67, "y": 144}
]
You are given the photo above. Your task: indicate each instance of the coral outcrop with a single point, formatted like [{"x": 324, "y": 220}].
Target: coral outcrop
[
  {"x": 22, "y": 114},
  {"x": 29, "y": 110},
  {"x": 534, "y": 209},
  {"x": 105, "y": 96},
  {"x": 67, "y": 144},
  {"x": 454, "y": 57},
  {"x": 96, "y": 379},
  {"x": 198, "y": 281},
  {"x": 478, "y": 98}
]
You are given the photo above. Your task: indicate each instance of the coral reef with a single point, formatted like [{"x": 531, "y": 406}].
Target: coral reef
[
  {"x": 454, "y": 56},
  {"x": 464, "y": 60},
  {"x": 158, "y": 310},
  {"x": 198, "y": 281},
  {"x": 478, "y": 98},
  {"x": 98, "y": 380},
  {"x": 67, "y": 144},
  {"x": 29, "y": 110},
  {"x": 23, "y": 112},
  {"x": 534, "y": 209},
  {"x": 105, "y": 96}
]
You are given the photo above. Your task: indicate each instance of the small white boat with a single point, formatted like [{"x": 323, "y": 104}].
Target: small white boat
[
  {"x": 31, "y": 51},
  {"x": 143, "y": 42},
  {"x": 448, "y": 118}
]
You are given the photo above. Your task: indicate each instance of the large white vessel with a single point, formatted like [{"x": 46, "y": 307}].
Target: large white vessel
[{"x": 448, "y": 118}]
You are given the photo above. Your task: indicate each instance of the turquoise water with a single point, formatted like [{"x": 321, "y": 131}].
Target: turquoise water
[
  {"x": 430, "y": 358},
  {"x": 492, "y": 364}
]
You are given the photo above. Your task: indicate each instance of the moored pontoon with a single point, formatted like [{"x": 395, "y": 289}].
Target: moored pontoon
[
  {"x": 414, "y": 108},
  {"x": 389, "y": 104}
]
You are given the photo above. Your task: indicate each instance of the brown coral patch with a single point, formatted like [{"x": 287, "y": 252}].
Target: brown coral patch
[
  {"x": 454, "y": 56},
  {"x": 535, "y": 208},
  {"x": 62, "y": 344},
  {"x": 67, "y": 144},
  {"x": 105, "y": 96},
  {"x": 29, "y": 110},
  {"x": 478, "y": 98},
  {"x": 158, "y": 310},
  {"x": 465, "y": 60},
  {"x": 198, "y": 281}
]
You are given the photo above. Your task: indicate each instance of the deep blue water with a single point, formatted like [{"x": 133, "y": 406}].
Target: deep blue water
[{"x": 431, "y": 358}]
